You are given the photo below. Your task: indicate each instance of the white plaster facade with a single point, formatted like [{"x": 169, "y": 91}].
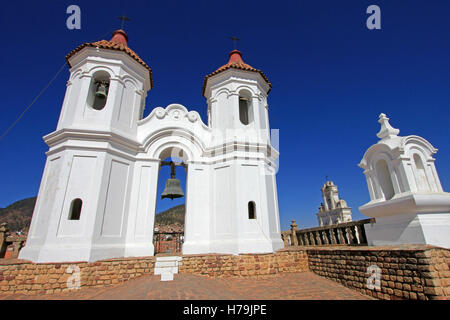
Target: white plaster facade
[
  {"x": 332, "y": 210},
  {"x": 406, "y": 195},
  {"x": 110, "y": 158}
]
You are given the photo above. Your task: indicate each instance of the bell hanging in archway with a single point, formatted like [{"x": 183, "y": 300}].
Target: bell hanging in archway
[
  {"x": 101, "y": 90},
  {"x": 173, "y": 187}
]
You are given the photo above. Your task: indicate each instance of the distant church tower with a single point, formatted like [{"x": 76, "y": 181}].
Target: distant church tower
[
  {"x": 97, "y": 197},
  {"x": 333, "y": 210}
]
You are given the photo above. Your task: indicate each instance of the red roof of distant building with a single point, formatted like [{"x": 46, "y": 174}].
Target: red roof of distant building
[
  {"x": 236, "y": 62},
  {"x": 119, "y": 41}
]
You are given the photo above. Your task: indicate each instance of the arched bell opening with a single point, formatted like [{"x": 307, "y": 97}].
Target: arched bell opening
[
  {"x": 246, "y": 116},
  {"x": 169, "y": 226},
  {"x": 98, "y": 90}
]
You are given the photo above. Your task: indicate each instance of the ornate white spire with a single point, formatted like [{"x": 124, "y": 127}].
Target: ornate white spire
[{"x": 386, "y": 131}]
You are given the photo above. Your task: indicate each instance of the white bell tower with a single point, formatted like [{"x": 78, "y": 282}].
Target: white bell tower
[
  {"x": 84, "y": 194},
  {"x": 244, "y": 201},
  {"x": 107, "y": 87},
  {"x": 237, "y": 101}
]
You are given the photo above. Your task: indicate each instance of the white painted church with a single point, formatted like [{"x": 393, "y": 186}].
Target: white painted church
[{"x": 98, "y": 192}]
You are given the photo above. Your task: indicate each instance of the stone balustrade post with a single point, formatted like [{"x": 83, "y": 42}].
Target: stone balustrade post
[
  {"x": 300, "y": 239},
  {"x": 305, "y": 238},
  {"x": 294, "y": 229},
  {"x": 361, "y": 234},
  {"x": 311, "y": 239},
  {"x": 285, "y": 240},
  {"x": 3, "y": 245},
  {"x": 354, "y": 234},
  {"x": 349, "y": 235},
  {"x": 318, "y": 240},
  {"x": 17, "y": 245},
  {"x": 325, "y": 236},
  {"x": 333, "y": 236},
  {"x": 341, "y": 236}
]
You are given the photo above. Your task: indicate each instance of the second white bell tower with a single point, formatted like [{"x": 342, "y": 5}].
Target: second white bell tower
[{"x": 244, "y": 199}]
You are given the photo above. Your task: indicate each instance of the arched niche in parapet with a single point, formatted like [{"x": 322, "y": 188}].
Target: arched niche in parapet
[
  {"x": 420, "y": 153},
  {"x": 384, "y": 179},
  {"x": 382, "y": 172},
  {"x": 420, "y": 173}
]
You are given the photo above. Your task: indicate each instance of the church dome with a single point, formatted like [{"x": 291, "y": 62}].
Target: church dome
[
  {"x": 235, "y": 62},
  {"x": 119, "y": 41}
]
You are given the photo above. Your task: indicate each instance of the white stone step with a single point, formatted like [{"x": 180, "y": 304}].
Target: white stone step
[
  {"x": 166, "y": 276},
  {"x": 167, "y": 267},
  {"x": 164, "y": 269},
  {"x": 161, "y": 264},
  {"x": 170, "y": 258}
]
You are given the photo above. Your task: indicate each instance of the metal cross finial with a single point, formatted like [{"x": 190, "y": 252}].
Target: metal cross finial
[
  {"x": 235, "y": 39},
  {"x": 326, "y": 178},
  {"x": 123, "y": 18}
]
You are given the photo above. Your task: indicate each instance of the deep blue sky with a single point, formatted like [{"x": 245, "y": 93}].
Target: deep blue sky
[{"x": 331, "y": 79}]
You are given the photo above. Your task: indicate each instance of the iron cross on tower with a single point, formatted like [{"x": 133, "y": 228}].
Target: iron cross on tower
[
  {"x": 235, "y": 39},
  {"x": 123, "y": 18}
]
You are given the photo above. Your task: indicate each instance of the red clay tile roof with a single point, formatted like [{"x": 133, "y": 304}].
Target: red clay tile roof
[
  {"x": 235, "y": 62},
  {"x": 117, "y": 42}
]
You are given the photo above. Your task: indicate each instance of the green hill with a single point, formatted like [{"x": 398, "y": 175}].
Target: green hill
[
  {"x": 172, "y": 215},
  {"x": 18, "y": 215}
]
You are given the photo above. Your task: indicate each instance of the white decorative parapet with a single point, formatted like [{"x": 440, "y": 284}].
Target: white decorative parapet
[
  {"x": 167, "y": 267},
  {"x": 406, "y": 196}
]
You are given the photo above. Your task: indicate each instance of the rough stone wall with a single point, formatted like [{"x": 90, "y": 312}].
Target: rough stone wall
[
  {"x": 19, "y": 276},
  {"x": 257, "y": 265},
  {"x": 406, "y": 272}
]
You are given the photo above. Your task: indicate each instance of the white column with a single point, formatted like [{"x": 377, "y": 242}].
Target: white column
[
  {"x": 141, "y": 219},
  {"x": 197, "y": 218}
]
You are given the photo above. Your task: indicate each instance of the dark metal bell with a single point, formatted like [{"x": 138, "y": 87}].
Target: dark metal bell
[
  {"x": 172, "y": 189},
  {"x": 101, "y": 91}
]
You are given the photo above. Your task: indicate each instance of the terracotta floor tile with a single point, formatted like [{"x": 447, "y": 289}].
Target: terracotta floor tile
[{"x": 297, "y": 286}]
